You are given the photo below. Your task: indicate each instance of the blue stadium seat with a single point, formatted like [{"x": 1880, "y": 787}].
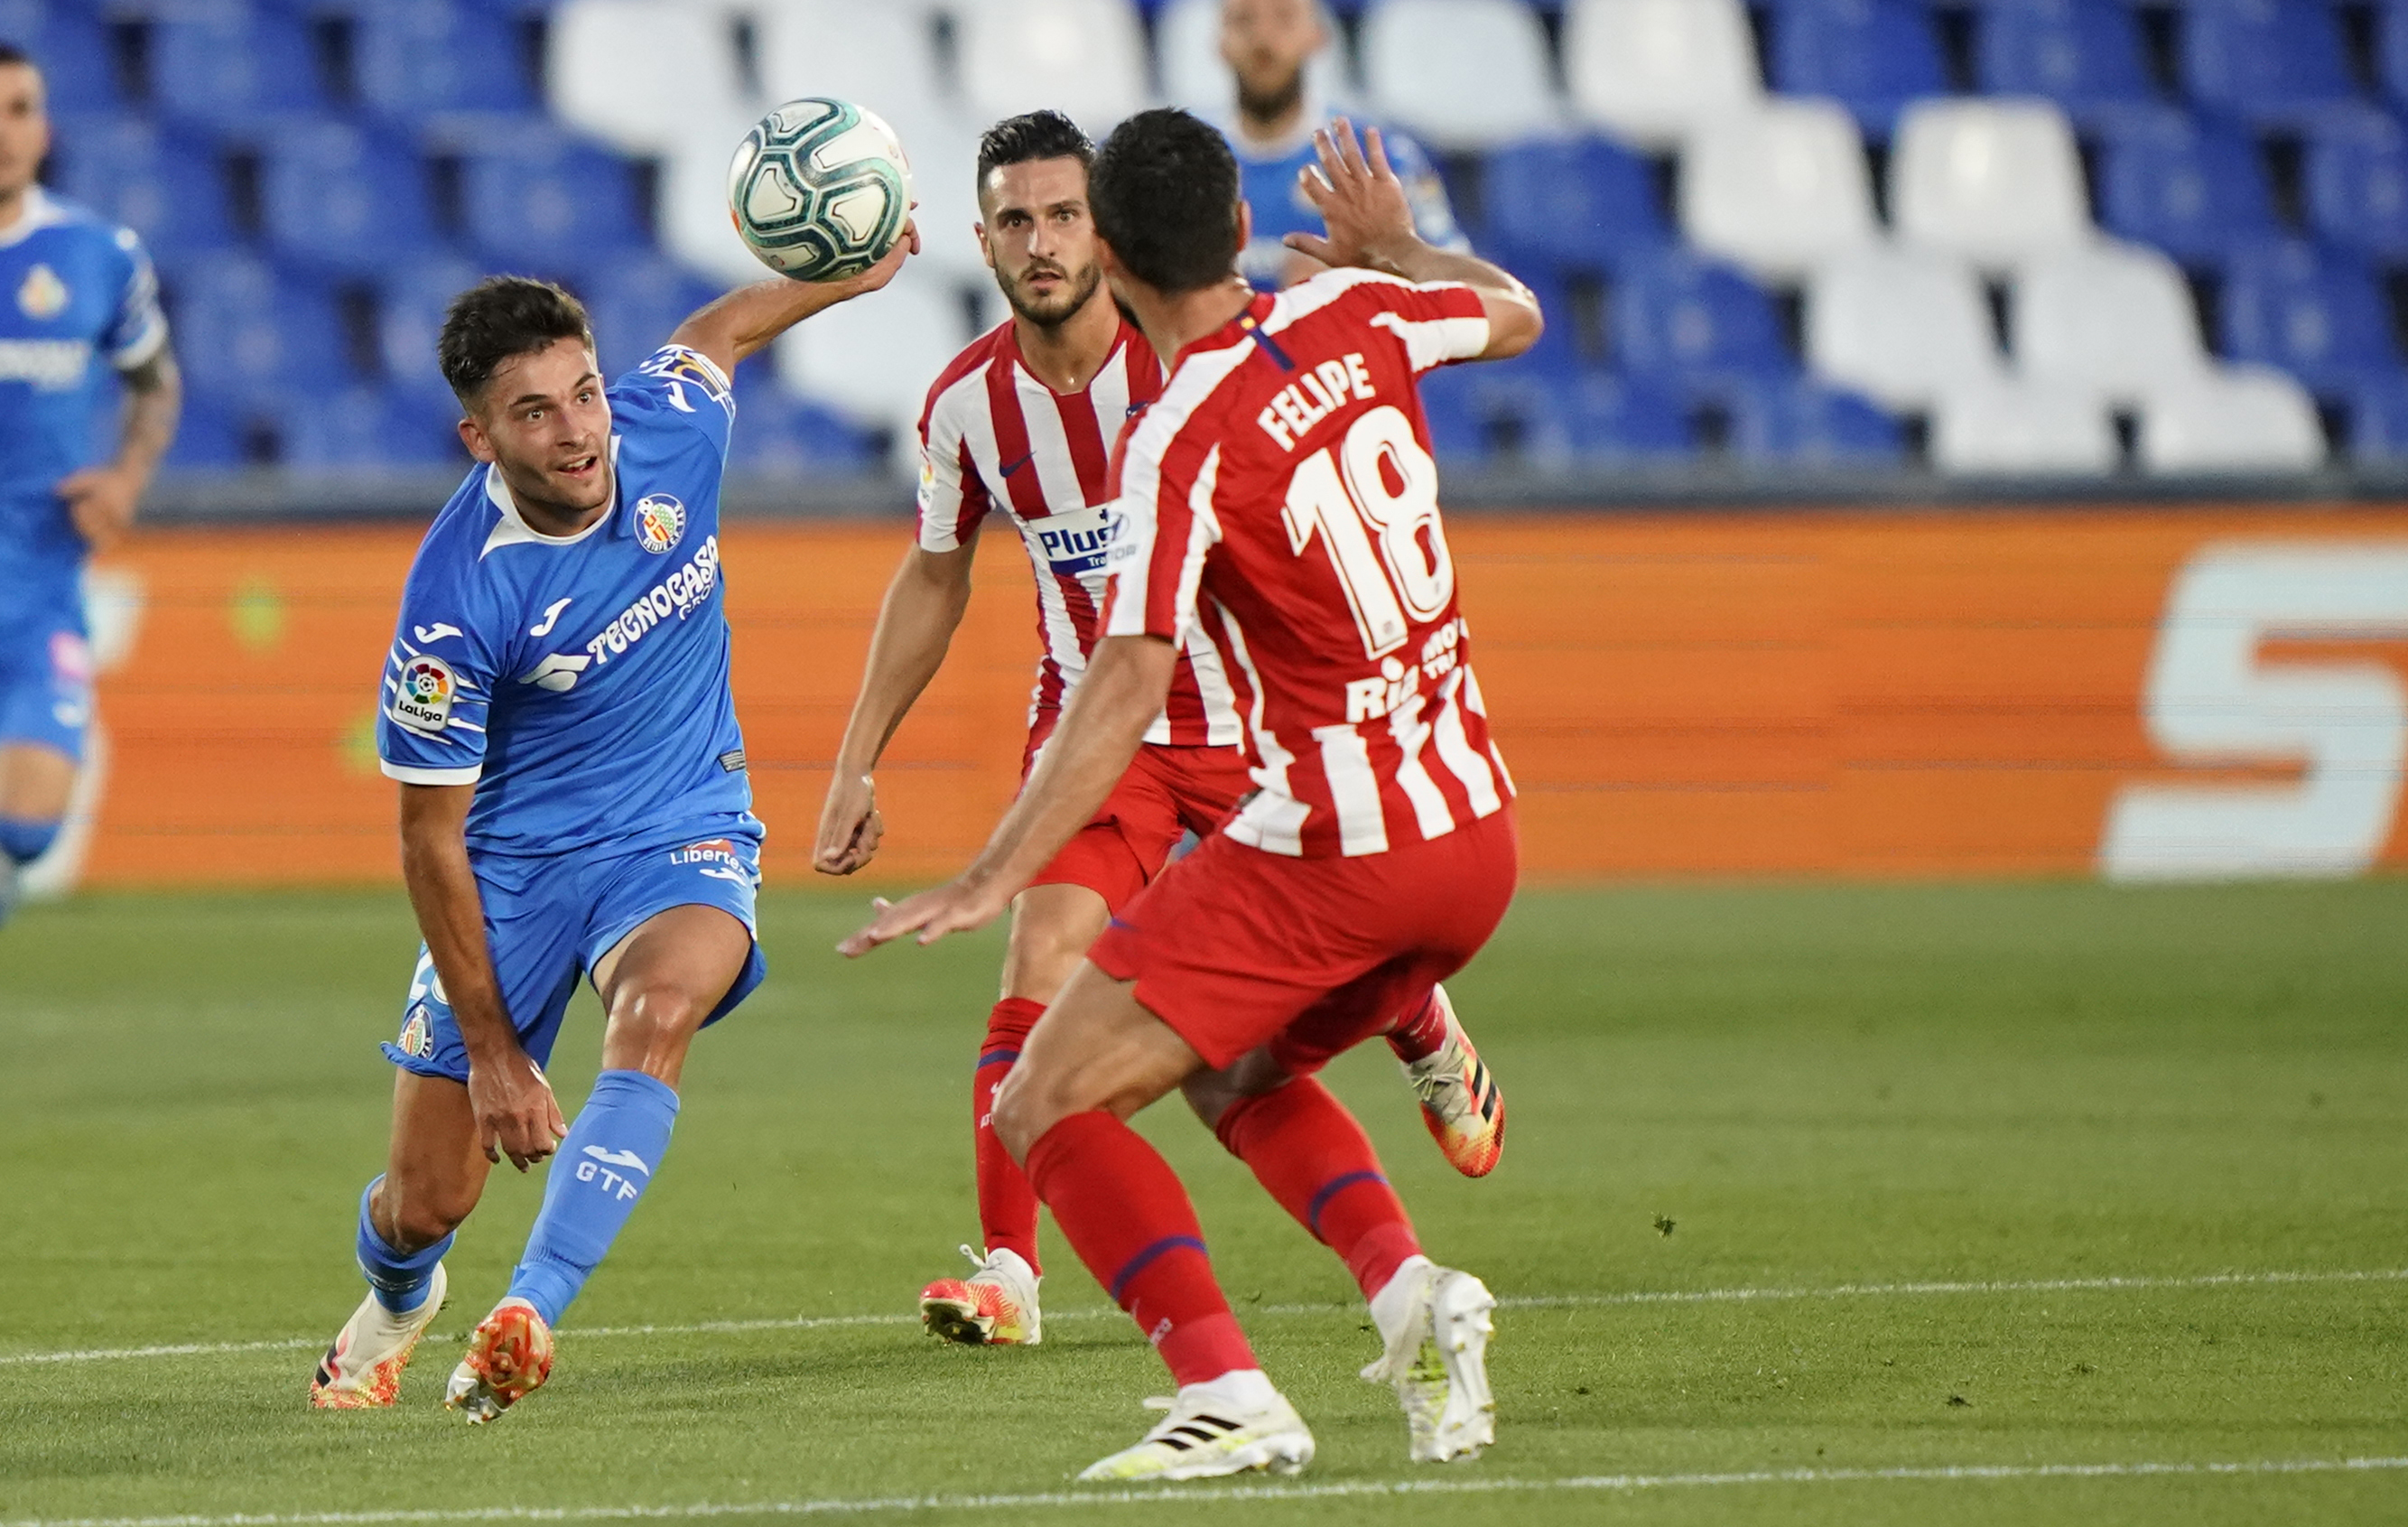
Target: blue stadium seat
[
  {"x": 547, "y": 201},
  {"x": 243, "y": 333},
  {"x": 413, "y": 57},
  {"x": 778, "y": 434},
  {"x": 1618, "y": 419},
  {"x": 2378, "y": 421},
  {"x": 2192, "y": 187},
  {"x": 1480, "y": 414},
  {"x": 158, "y": 184},
  {"x": 1874, "y": 55},
  {"x": 2313, "y": 311},
  {"x": 364, "y": 427},
  {"x": 72, "y": 47},
  {"x": 1805, "y": 421},
  {"x": 2357, "y": 182},
  {"x": 1571, "y": 203},
  {"x": 2268, "y": 60},
  {"x": 634, "y": 303},
  {"x": 1686, "y": 321},
  {"x": 343, "y": 199},
  {"x": 206, "y": 439},
  {"x": 224, "y": 61},
  {"x": 2080, "y": 54},
  {"x": 410, "y": 302}
]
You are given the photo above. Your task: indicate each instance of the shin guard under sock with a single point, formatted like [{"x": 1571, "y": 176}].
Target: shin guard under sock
[
  {"x": 1123, "y": 1212},
  {"x": 1307, "y": 1151},
  {"x": 603, "y": 1168},
  {"x": 399, "y": 1279},
  {"x": 1007, "y": 1204}
]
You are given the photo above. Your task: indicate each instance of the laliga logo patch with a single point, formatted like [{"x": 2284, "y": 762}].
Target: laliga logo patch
[
  {"x": 417, "y": 1035},
  {"x": 660, "y": 522},
  {"x": 422, "y": 700},
  {"x": 43, "y": 295}
]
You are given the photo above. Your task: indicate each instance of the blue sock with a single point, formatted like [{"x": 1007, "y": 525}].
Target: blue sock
[
  {"x": 22, "y": 840},
  {"x": 603, "y": 1168},
  {"x": 398, "y": 1280}
]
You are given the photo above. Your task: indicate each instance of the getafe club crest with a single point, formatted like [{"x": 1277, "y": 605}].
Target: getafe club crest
[
  {"x": 421, "y": 700},
  {"x": 416, "y": 1037},
  {"x": 660, "y": 522},
  {"x": 43, "y": 295}
]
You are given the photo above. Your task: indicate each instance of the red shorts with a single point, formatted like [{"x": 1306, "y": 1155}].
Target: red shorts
[
  {"x": 1167, "y": 792},
  {"x": 1234, "y": 948}
]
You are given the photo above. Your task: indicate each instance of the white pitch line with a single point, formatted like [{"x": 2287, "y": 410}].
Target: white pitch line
[
  {"x": 1589, "y": 1301},
  {"x": 1203, "y": 1496}
]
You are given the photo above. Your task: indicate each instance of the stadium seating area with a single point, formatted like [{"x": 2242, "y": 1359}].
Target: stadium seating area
[{"x": 2004, "y": 237}]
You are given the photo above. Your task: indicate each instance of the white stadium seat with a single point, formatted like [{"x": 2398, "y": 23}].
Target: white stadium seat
[
  {"x": 2238, "y": 419},
  {"x": 2005, "y": 429},
  {"x": 1656, "y": 70},
  {"x": 1189, "y": 69},
  {"x": 1905, "y": 327},
  {"x": 695, "y": 226},
  {"x": 2114, "y": 318},
  {"x": 633, "y": 72},
  {"x": 1086, "y": 58},
  {"x": 1779, "y": 187},
  {"x": 872, "y": 361},
  {"x": 1461, "y": 74},
  {"x": 1996, "y": 182}
]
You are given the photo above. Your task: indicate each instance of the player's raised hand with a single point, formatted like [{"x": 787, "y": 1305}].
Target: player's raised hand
[
  {"x": 100, "y": 500},
  {"x": 850, "y": 826},
  {"x": 884, "y": 271},
  {"x": 517, "y": 1115},
  {"x": 951, "y": 908},
  {"x": 1359, "y": 197}
]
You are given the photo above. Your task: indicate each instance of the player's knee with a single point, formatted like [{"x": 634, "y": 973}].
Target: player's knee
[
  {"x": 23, "y": 840},
  {"x": 1025, "y": 1106},
  {"x": 651, "y": 1025}
]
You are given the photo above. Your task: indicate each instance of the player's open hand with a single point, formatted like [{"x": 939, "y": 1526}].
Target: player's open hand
[
  {"x": 517, "y": 1115},
  {"x": 884, "y": 271},
  {"x": 1359, "y": 196},
  {"x": 850, "y": 826},
  {"x": 953, "y": 907},
  {"x": 100, "y": 500}
]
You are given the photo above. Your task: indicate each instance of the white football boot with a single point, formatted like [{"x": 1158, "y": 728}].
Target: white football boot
[
  {"x": 996, "y": 1305},
  {"x": 1236, "y": 1424},
  {"x": 509, "y": 1356},
  {"x": 362, "y": 1371},
  {"x": 1435, "y": 1324}
]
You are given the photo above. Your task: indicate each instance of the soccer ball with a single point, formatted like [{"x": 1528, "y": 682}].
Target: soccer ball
[{"x": 820, "y": 188}]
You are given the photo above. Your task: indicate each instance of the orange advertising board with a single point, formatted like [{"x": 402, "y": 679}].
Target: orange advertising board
[{"x": 2146, "y": 692}]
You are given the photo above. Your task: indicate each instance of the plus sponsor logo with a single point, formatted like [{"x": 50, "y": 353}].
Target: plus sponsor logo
[
  {"x": 607, "y": 1170},
  {"x": 674, "y": 598},
  {"x": 1077, "y": 544}
]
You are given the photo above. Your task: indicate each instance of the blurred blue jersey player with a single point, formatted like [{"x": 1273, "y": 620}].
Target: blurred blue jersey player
[
  {"x": 78, "y": 301},
  {"x": 574, "y": 803},
  {"x": 1269, "y": 45}
]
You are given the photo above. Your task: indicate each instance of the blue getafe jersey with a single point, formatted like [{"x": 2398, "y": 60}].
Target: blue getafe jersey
[
  {"x": 580, "y": 683},
  {"x": 76, "y": 299},
  {"x": 1267, "y": 179}
]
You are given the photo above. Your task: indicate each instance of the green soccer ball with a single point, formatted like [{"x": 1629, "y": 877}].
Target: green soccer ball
[{"x": 820, "y": 188}]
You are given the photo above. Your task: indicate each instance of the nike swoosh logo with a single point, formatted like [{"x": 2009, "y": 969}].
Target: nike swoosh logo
[
  {"x": 551, "y": 618},
  {"x": 429, "y": 635},
  {"x": 1011, "y": 466},
  {"x": 619, "y": 1157}
]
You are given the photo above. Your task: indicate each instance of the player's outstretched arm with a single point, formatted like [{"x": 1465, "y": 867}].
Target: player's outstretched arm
[
  {"x": 516, "y": 1113},
  {"x": 1115, "y": 701},
  {"x": 1370, "y": 223},
  {"x": 741, "y": 324},
  {"x": 102, "y": 499},
  {"x": 915, "y": 625}
]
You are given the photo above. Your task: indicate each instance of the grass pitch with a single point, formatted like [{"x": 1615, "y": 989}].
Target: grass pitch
[{"x": 1833, "y": 1095}]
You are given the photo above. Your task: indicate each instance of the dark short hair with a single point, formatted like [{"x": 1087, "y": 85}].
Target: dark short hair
[
  {"x": 11, "y": 53},
  {"x": 1032, "y": 135},
  {"x": 499, "y": 317},
  {"x": 1165, "y": 192}
]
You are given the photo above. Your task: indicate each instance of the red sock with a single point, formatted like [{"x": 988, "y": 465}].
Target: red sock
[
  {"x": 1007, "y": 1204},
  {"x": 1123, "y": 1212},
  {"x": 1307, "y": 1149},
  {"x": 1419, "y": 1033}
]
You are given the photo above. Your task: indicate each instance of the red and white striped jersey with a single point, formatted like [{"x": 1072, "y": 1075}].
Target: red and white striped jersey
[
  {"x": 993, "y": 435},
  {"x": 1279, "y": 497}
]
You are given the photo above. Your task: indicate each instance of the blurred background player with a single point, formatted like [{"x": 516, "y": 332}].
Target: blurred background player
[
  {"x": 1270, "y": 46},
  {"x": 1024, "y": 421},
  {"x": 1279, "y": 497},
  {"x": 574, "y": 801},
  {"x": 78, "y": 299}
]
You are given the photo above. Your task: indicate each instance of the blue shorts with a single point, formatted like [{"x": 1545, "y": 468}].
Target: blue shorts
[
  {"x": 46, "y": 672},
  {"x": 548, "y": 920}
]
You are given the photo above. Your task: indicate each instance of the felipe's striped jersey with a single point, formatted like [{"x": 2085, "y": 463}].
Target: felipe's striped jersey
[
  {"x": 1279, "y": 500},
  {"x": 992, "y": 435}
]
